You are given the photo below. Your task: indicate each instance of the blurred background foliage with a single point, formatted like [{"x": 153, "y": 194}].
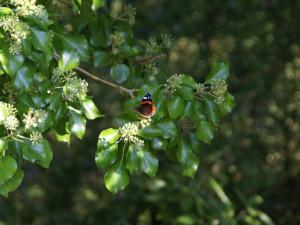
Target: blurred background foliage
[{"x": 249, "y": 173}]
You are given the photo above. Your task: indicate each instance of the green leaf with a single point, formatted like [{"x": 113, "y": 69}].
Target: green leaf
[
  {"x": 24, "y": 78},
  {"x": 219, "y": 191},
  {"x": 149, "y": 163},
  {"x": 219, "y": 71},
  {"x": 175, "y": 106},
  {"x": 98, "y": 4},
  {"x": 63, "y": 137},
  {"x": 119, "y": 73},
  {"x": 77, "y": 124},
  {"x": 228, "y": 104},
  {"x": 106, "y": 156},
  {"x": 10, "y": 62},
  {"x": 186, "y": 92},
  {"x": 4, "y": 112},
  {"x": 133, "y": 159},
  {"x": 8, "y": 167},
  {"x": 212, "y": 112},
  {"x": 40, "y": 153},
  {"x": 3, "y": 145},
  {"x": 68, "y": 60},
  {"x": 110, "y": 136},
  {"x": 159, "y": 144},
  {"x": 78, "y": 43},
  {"x": 89, "y": 108},
  {"x": 168, "y": 128},
  {"x": 101, "y": 59},
  {"x": 5, "y": 11},
  {"x": 188, "y": 81},
  {"x": 183, "y": 152},
  {"x": 116, "y": 178},
  {"x": 12, "y": 184},
  {"x": 205, "y": 132},
  {"x": 150, "y": 132},
  {"x": 190, "y": 167}
]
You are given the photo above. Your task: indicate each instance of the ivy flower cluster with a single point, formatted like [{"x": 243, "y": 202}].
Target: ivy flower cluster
[
  {"x": 218, "y": 89},
  {"x": 130, "y": 11},
  {"x": 29, "y": 8},
  {"x": 152, "y": 47},
  {"x": 129, "y": 132},
  {"x": 73, "y": 87},
  {"x": 10, "y": 121},
  {"x": 117, "y": 39},
  {"x": 35, "y": 137},
  {"x": 16, "y": 30},
  {"x": 173, "y": 84},
  {"x": 32, "y": 118}
]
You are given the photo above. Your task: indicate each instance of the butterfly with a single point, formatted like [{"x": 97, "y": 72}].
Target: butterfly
[{"x": 147, "y": 108}]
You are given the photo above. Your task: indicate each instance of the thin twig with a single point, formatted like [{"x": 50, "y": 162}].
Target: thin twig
[{"x": 130, "y": 92}]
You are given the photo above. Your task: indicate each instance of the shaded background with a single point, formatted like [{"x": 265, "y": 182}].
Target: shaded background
[{"x": 255, "y": 157}]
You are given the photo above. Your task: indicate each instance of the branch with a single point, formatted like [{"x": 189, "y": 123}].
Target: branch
[{"x": 130, "y": 92}]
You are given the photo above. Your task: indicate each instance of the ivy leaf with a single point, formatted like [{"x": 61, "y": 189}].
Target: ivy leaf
[
  {"x": 150, "y": 132},
  {"x": 205, "y": 132},
  {"x": 89, "y": 108},
  {"x": 186, "y": 92},
  {"x": 4, "y": 112},
  {"x": 40, "y": 153},
  {"x": 24, "y": 78},
  {"x": 77, "y": 124},
  {"x": 133, "y": 159},
  {"x": 68, "y": 60},
  {"x": 175, "y": 107},
  {"x": 106, "y": 156},
  {"x": 12, "y": 184},
  {"x": 98, "y": 4},
  {"x": 10, "y": 62},
  {"x": 78, "y": 43},
  {"x": 183, "y": 152},
  {"x": 168, "y": 128},
  {"x": 3, "y": 145},
  {"x": 219, "y": 71},
  {"x": 116, "y": 178},
  {"x": 228, "y": 104},
  {"x": 191, "y": 165},
  {"x": 101, "y": 59},
  {"x": 119, "y": 73},
  {"x": 212, "y": 112},
  {"x": 8, "y": 167},
  {"x": 149, "y": 163},
  {"x": 111, "y": 136},
  {"x": 188, "y": 81}
]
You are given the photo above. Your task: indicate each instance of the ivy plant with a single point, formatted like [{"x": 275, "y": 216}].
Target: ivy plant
[{"x": 43, "y": 92}]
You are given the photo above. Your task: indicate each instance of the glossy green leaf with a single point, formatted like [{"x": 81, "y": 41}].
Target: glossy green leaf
[
  {"x": 119, "y": 73},
  {"x": 69, "y": 60},
  {"x": 116, "y": 178},
  {"x": 98, "y": 4},
  {"x": 101, "y": 59},
  {"x": 184, "y": 151},
  {"x": 186, "y": 92},
  {"x": 5, "y": 11},
  {"x": 63, "y": 137},
  {"x": 150, "y": 132},
  {"x": 219, "y": 71},
  {"x": 8, "y": 167},
  {"x": 77, "y": 124},
  {"x": 168, "y": 128},
  {"x": 11, "y": 63},
  {"x": 175, "y": 106},
  {"x": 149, "y": 163},
  {"x": 78, "y": 43},
  {"x": 133, "y": 159},
  {"x": 108, "y": 137},
  {"x": 190, "y": 167},
  {"x": 159, "y": 144},
  {"x": 205, "y": 131},
  {"x": 3, "y": 145},
  {"x": 11, "y": 184},
  {"x": 23, "y": 79},
  {"x": 4, "y": 112},
  {"x": 40, "y": 153},
  {"x": 106, "y": 156},
  {"x": 228, "y": 104},
  {"x": 188, "y": 81},
  {"x": 212, "y": 112},
  {"x": 89, "y": 108}
]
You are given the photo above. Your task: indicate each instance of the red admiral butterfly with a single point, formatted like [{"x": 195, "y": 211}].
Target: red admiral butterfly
[{"x": 147, "y": 108}]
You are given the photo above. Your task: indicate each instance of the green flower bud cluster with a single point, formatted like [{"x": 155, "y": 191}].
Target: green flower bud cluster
[
  {"x": 152, "y": 47},
  {"x": 166, "y": 40},
  {"x": 218, "y": 89},
  {"x": 29, "y": 8},
  {"x": 35, "y": 137},
  {"x": 129, "y": 132},
  {"x": 173, "y": 84},
  {"x": 117, "y": 39},
  {"x": 32, "y": 118},
  {"x": 74, "y": 88},
  {"x": 16, "y": 30},
  {"x": 130, "y": 11},
  {"x": 59, "y": 76}
]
